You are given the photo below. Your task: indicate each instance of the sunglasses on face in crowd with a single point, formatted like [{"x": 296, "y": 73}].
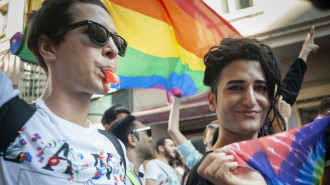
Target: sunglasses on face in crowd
[
  {"x": 98, "y": 35},
  {"x": 148, "y": 129},
  {"x": 211, "y": 126}
]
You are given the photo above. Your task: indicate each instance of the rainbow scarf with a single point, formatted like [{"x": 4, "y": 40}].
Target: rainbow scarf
[
  {"x": 167, "y": 40},
  {"x": 292, "y": 157}
]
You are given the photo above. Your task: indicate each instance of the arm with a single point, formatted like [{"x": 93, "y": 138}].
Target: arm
[
  {"x": 7, "y": 91},
  {"x": 293, "y": 79},
  {"x": 308, "y": 46},
  {"x": 189, "y": 154},
  {"x": 150, "y": 182},
  {"x": 173, "y": 123}
]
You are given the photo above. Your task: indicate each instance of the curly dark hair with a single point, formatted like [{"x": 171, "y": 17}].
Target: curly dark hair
[{"x": 232, "y": 49}]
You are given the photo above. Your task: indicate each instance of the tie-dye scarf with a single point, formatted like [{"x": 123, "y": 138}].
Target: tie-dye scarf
[{"x": 292, "y": 157}]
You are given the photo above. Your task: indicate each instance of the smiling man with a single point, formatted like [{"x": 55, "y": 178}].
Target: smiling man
[{"x": 242, "y": 74}]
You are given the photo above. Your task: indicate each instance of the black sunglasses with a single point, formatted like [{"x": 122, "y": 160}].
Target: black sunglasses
[
  {"x": 98, "y": 34},
  {"x": 148, "y": 129}
]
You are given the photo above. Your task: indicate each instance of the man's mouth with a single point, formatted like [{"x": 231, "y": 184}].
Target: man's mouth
[{"x": 110, "y": 76}]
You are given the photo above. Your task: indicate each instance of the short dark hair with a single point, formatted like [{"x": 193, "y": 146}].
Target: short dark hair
[
  {"x": 48, "y": 20},
  {"x": 161, "y": 142},
  {"x": 321, "y": 4},
  {"x": 232, "y": 49},
  {"x": 110, "y": 114},
  {"x": 324, "y": 106},
  {"x": 123, "y": 127}
]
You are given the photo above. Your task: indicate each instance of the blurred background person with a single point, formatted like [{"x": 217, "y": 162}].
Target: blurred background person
[
  {"x": 159, "y": 171},
  {"x": 137, "y": 140}
]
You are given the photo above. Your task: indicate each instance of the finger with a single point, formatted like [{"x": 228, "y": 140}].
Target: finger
[
  {"x": 225, "y": 172},
  {"x": 312, "y": 31},
  {"x": 315, "y": 48},
  {"x": 227, "y": 167},
  {"x": 209, "y": 159},
  {"x": 161, "y": 182},
  {"x": 212, "y": 162},
  {"x": 218, "y": 161},
  {"x": 225, "y": 149},
  {"x": 308, "y": 38}
]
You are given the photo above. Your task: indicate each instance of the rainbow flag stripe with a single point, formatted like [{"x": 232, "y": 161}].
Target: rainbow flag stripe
[
  {"x": 167, "y": 40},
  {"x": 292, "y": 157}
]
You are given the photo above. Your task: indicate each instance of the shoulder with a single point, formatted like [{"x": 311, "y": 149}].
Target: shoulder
[
  {"x": 151, "y": 164},
  {"x": 7, "y": 91}
]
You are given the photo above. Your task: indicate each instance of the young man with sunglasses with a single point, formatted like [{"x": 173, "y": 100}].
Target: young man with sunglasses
[
  {"x": 137, "y": 140},
  {"x": 75, "y": 42}
]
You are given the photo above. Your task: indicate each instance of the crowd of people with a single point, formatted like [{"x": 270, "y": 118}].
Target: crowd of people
[{"x": 56, "y": 143}]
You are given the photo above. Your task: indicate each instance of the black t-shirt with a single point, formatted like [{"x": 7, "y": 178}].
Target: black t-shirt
[{"x": 194, "y": 178}]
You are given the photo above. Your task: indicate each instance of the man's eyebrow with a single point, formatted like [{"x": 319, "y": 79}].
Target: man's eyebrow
[
  {"x": 243, "y": 81},
  {"x": 261, "y": 81},
  {"x": 235, "y": 82}
]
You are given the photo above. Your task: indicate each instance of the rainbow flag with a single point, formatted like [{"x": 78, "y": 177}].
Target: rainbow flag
[
  {"x": 292, "y": 157},
  {"x": 167, "y": 40}
]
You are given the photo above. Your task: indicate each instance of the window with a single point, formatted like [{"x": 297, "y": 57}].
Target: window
[
  {"x": 233, "y": 10},
  {"x": 241, "y": 4},
  {"x": 3, "y": 20},
  {"x": 32, "y": 81},
  {"x": 230, "y": 6}
]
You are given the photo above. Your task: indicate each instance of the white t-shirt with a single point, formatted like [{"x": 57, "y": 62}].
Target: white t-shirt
[
  {"x": 51, "y": 150},
  {"x": 159, "y": 171}
]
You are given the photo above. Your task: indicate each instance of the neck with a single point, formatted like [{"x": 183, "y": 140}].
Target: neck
[
  {"x": 135, "y": 159},
  {"x": 227, "y": 137},
  {"x": 69, "y": 106},
  {"x": 163, "y": 158}
]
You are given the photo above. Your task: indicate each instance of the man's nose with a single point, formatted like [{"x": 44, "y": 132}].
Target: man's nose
[
  {"x": 110, "y": 49},
  {"x": 249, "y": 98}
]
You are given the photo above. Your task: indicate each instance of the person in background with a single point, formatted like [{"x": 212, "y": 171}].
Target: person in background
[
  {"x": 209, "y": 132},
  {"x": 112, "y": 114},
  {"x": 292, "y": 82},
  {"x": 137, "y": 140},
  {"x": 158, "y": 171},
  {"x": 324, "y": 109},
  {"x": 185, "y": 148}
]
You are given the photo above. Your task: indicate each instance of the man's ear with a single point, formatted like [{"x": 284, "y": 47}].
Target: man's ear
[
  {"x": 132, "y": 140},
  {"x": 46, "y": 48},
  {"x": 106, "y": 127},
  {"x": 212, "y": 101},
  {"x": 161, "y": 148}
]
